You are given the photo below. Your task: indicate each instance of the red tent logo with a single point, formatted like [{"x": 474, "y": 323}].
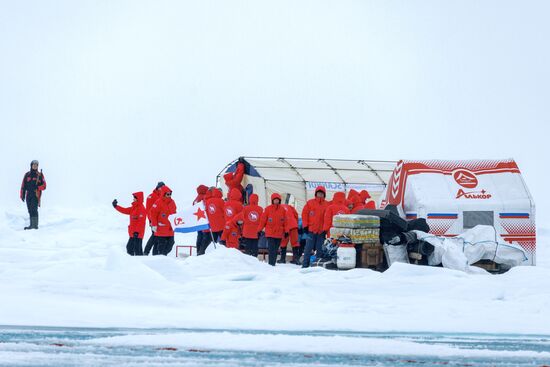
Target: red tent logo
[{"x": 465, "y": 178}]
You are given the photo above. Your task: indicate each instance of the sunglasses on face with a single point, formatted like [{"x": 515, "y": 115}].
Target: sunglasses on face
[{"x": 168, "y": 194}]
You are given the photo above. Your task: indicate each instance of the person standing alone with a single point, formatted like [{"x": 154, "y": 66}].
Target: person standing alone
[{"x": 31, "y": 191}]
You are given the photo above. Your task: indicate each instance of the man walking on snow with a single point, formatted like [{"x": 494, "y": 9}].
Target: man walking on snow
[{"x": 31, "y": 190}]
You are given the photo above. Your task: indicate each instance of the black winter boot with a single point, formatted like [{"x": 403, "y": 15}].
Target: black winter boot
[
  {"x": 34, "y": 224},
  {"x": 30, "y": 224},
  {"x": 296, "y": 255},
  {"x": 282, "y": 260}
]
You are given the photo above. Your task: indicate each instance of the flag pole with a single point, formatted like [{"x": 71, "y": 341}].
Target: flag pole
[{"x": 211, "y": 235}]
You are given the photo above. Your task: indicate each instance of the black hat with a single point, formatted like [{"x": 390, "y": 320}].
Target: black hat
[
  {"x": 34, "y": 161},
  {"x": 159, "y": 185}
]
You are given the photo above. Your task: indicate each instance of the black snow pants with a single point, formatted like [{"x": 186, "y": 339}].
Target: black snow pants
[
  {"x": 251, "y": 246},
  {"x": 207, "y": 240},
  {"x": 133, "y": 247},
  {"x": 163, "y": 245},
  {"x": 272, "y": 248},
  {"x": 149, "y": 245},
  {"x": 32, "y": 204}
]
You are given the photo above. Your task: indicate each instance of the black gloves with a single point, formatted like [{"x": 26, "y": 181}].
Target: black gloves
[
  {"x": 305, "y": 230},
  {"x": 115, "y": 203},
  {"x": 286, "y": 234},
  {"x": 260, "y": 234},
  {"x": 136, "y": 234}
]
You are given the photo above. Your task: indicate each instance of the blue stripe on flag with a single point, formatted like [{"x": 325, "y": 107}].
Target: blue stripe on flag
[{"x": 192, "y": 229}]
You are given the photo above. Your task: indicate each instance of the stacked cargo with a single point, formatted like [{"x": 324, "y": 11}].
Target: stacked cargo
[{"x": 364, "y": 233}]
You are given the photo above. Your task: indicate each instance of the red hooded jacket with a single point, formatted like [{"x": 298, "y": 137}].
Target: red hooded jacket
[
  {"x": 201, "y": 192},
  {"x": 234, "y": 205},
  {"x": 151, "y": 199},
  {"x": 160, "y": 211},
  {"x": 313, "y": 213},
  {"x": 292, "y": 217},
  {"x": 233, "y": 179},
  {"x": 215, "y": 210},
  {"x": 274, "y": 219},
  {"x": 250, "y": 217},
  {"x": 137, "y": 215},
  {"x": 338, "y": 206},
  {"x": 231, "y": 234},
  {"x": 291, "y": 227}
]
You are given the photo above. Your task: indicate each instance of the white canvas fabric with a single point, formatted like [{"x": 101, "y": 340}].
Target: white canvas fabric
[{"x": 298, "y": 178}]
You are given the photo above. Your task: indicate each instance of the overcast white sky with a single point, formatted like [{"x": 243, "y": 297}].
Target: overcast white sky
[{"x": 112, "y": 96}]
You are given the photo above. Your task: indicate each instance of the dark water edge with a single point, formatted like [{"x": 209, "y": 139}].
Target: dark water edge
[{"x": 60, "y": 346}]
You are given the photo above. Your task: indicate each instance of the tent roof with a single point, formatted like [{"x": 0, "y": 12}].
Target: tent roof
[{"x": 321, "y": 170}]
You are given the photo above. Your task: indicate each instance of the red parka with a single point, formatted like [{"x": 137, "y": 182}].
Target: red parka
[
  {"x": 291, "y": 227},
  {"x": 160, "y": 211},
  {"x": 137, "y": 215},
  {"x": 368, "y": 204},
  {"x": 250, "y": 217},
  {"x": 201, "y": 192},
  {"x": 231, "y": 234},
  {"x": 215, "y": 210},
  {"x": 313, "y": 213},
  {"x": 233, "y": 179},
  {"x": 151, "y": 199},
  {"x": 234, "y": 205},
  {"x": 274, "y": 219},
  {"x": 338, "y": 207}
]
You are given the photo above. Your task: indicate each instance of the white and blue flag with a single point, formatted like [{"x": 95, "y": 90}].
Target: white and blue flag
[{"x": 191, "y": 219}]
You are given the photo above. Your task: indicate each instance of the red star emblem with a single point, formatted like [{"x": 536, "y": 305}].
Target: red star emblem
[
  {"x": 178, "y": 221},
  {"x": 200, "y": 214}
]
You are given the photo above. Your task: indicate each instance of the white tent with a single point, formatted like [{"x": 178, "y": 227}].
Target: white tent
[
  {"x": 454, "y": 196},
  {"x": 296, "y": 178}
]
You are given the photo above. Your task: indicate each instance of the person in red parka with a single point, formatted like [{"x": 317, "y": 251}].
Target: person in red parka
[
  {"x": 365, "y": 197},
  {"x": 136, "y": 229},
  {"x": 291, "y": 229},
  {"x": 233, "y": 179},
  {"x": 214, "y": 206},
  {"x": 249, "y": 219},
  {"x": 151, "y": 199},
  {"x": 313, "y": 215},
  {"x": 274, "y": 220},
  {"x": 234, "y": 205},
  {"x": 338, "y": 206},
  {"x": 202, "y": 193},
  {"x": 164, "y": 233},
  {"x": 231, "y": 234}
]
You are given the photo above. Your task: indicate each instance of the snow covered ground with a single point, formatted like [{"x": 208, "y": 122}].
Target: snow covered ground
[{"x": 74, "y": 272}]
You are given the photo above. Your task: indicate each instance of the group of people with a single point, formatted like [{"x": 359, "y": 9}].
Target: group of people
[
  {"x": 158, "y": 207},
  {"x": 239, "y": 223},
  {"x": 236, "y": 222}
]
